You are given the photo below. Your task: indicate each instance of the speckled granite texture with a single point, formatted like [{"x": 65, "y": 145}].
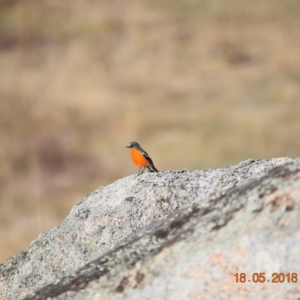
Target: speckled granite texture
[{"x": 209, "y": 225}]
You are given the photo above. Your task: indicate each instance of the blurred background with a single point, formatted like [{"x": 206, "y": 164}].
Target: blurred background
[{"x": 200, "y": 84}]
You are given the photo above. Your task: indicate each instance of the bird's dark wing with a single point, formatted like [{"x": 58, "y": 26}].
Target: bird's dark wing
[
  {"x": 146, "y": 155},
  {"x": 151, "y": 166}
]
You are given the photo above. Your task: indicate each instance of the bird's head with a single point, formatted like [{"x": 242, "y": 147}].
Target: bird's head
[{"x": 133, "y": 145}]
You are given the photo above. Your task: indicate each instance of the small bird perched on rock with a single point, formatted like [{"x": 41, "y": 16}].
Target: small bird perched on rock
[{"x": 141, "y": 158}]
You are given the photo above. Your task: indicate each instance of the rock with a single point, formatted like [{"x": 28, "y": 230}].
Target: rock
[{"x": 209, "y": 225}]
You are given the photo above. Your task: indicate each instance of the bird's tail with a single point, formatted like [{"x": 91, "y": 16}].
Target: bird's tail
[{"x": 152, "y": 168}]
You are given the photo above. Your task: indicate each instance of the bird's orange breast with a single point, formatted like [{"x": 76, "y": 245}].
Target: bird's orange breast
[{"x": 138, "y": 158}]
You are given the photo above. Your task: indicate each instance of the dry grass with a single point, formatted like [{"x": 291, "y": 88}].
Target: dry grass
[{"x": 199, "y": 83}]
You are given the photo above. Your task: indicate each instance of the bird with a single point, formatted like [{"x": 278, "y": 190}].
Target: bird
[{"x": 141, "y": 158}]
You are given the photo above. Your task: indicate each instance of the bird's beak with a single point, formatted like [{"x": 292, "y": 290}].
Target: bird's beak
[{"x": 128, "y": 146}]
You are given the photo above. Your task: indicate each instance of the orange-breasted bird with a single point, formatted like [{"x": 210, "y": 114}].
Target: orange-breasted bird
[{"x": 141, "y": 158}]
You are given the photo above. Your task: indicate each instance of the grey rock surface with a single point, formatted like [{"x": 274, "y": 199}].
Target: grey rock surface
[{"x": 195, "y": 237}]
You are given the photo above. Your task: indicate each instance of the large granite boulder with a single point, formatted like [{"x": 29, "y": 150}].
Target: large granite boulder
[{"x": 202, "y": 227}]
